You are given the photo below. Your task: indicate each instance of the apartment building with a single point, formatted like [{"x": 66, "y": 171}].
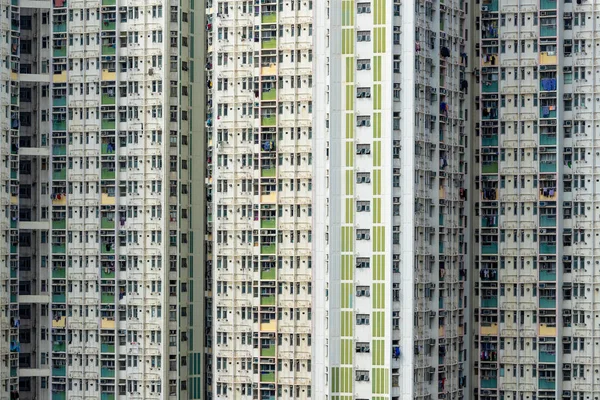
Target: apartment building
[
  {"x": 536, "y": 239},
  {"x": 260, "y": 60},
  {"x": 391, "y": 183},
  {"x": 98, "y": 258}
]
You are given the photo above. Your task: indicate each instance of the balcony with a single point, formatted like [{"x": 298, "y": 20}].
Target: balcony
[
  {"x": 489, "y": 221},
  {"x": 547, "y": 302},
  {"x": 547, "y": 383},
  {"x": 269, "y": 95},
  {"x": 59, "y": 150},
  {"x": 107, "y": 273},
  {"x": 489, "y": 383},
  {"x": 59, "y": 371},
  {"x": 108, "y": 50},
  {"x": 59, "y": 297},
  {"x": 14, "y": 174},
  {"x": 548, "y": 166},
  {"x": 59, "y": 273},
  {"x": 107, "y": 248},
  {"x": 268, "y": 172},
  {"x": 267, "y": 300},
  {"x": 268, "y": 223},
  {"x": 547, "y": 221},
  {"x": 547, "y": 139},
  {"x": 107, "y": 396},
  {"x": 548, "y": 30},
  {"x": 59, "y": 346},
  {"x": 548, "y": 58},
  {"x": 109, "y": 25},
  {"x": 108, "y": 100},
  {"x": 489, "y": 140},
  {"x": 267, "y": 249},
  {"x": 548, "y": 4},
  {"x": 59, "y": 125},
  {"x": 107, "y": 223},
  {"x": 267, "y": 376},
  {"x": 108, "y": 173},
  {"x": 547, "y": 248},
  {"x": 268, "y": 274},
  {"x": 108, "y": 124},
  {"x": 60, "y": 101},
  {"x": 59, "y": 174},
  {"x": 489, "y": 6},
  {"x": 107, "y": 298},
  {"x": 109, "y": 2},
  {"x": 268, "y": 351},
  {"x": 269, "y": 18},
  {"x": 268, "y": 44},
  {"x": 491, "y": 302},
  {"x": 546, "y": 356},
  {"x": 59, "y": 395},
  {"x": 270, "y": 120},
  {"x": 108, "y": 148},
  {"x": 59, "y": 248},
  {"x": 489, "y": 87},
  {"x": 59, "y": 223},
  {"x": 59, "y": 51},
  {"x": 107, "y": 372},
  {"x": 107, "y": 348},
  {"x": 491, "y": 248},
  {"x": 60, "y": 27}
]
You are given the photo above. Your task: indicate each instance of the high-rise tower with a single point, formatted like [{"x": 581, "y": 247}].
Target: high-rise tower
[{"x": 98, "y": 259}]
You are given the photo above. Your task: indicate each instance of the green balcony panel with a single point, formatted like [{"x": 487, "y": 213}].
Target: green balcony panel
[
  {"x": 60, "y": 150},
  {"x": 108, "y": 50},
  {"x": 107, "y": 223},
  {"x": 268, "y": 223},
  {"x": 107, "y": 396},
  {"x": 489, "y": 168},
  {"x": 491, "y": 302},
  {"x": 107, "y": 249},
  {"x": 547, "y": 220},
  {"x": 267, "y": 351},
  {"x": 546, "y": 248},
  {"x": 489, "y": 248},
  {"x": 59, "y": 395},
  {"x": 489, "y": 87},
  {"x": 268, "y": 120},
  {"x": 108, "y": 148},
  {"x": 109, "y": 2},
  {"x": 489, "y": 6},
  {"x": 59, "y": 174},
  {"x": 547, "y": 31},
  {"x": 59, "y": 248},
  {"x": 441, "y": 303},
  {"x": 14, "y": 223},
  {"x": 107, "y": 173},
  {"x": 107, "y": 298},
  {"x": 441, "y": 247},
  {"x": 547, "y": 166},
  {"x": 489, "y": 140},
  {"x": 268, "y": 274},
  {"x": 107, "y": 273},
  {"x": 547, "y": 275},
  {"x": 547, "y": 357},
  {"x": 269, "y": 95},
  {"x": 59, "y": 223},
  {"x": 268, "y": 44},
  {"x": 489, "y": 383},
  {"x": 13, "y": 297},
  {"x": 548, "y": 4},
  {"x": 547, "y": 140},
  {"x": 60, "y": 27},
  {"x": 60, "y": 51},
  {"x": 59, "y": 125},
  {"x": 14, "y": 273},
  {"x": 14, "y": 249},
  {"x": 107, "y": 348},
  {"x": 267, "y": 376},
  {"x": 268, "y": 172},
  {"x": 267, "y": 249},
  {"x": 489, "y": 221},
  {"x": 547, "y": 302},
  {"x": 548, "y": 112},
  {"x": 59, "y": 273},
  {"x": 14, "y": 174},
  {"x": 108, "y": 124},
  {"x": 108, "y": 100},
  {"x": 59, "y": 101},
  {"x": 59, "y": 297},
  {"x": 267, "y": 301},
  {"x": 547, "y": 383},
  {"x": 107, "y": 372},
  {"x": 14, "y": 100},
  {"x": 269, "y": 18},
  {"x": 59, "y": 371},
  {"x": 109, "y": 25},
  {"x": 59, "y": 346}
]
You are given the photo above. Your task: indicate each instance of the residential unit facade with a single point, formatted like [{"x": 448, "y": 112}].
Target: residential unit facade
[
  {"x": 536, "y": 289},
  {"x": 98, "y": 256}
]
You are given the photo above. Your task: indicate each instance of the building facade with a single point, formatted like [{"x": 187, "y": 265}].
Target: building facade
[
  {"x": 260, "y": 60},
  {"x": 392, "y": 192},
  {"x": 536, "y": 291},
  {"x": 98, "y": 256}
]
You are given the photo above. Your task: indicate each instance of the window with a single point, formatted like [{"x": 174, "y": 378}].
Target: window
[
  {"x": 363, "y": 8},
  {"x": 363, "y": 36}
]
